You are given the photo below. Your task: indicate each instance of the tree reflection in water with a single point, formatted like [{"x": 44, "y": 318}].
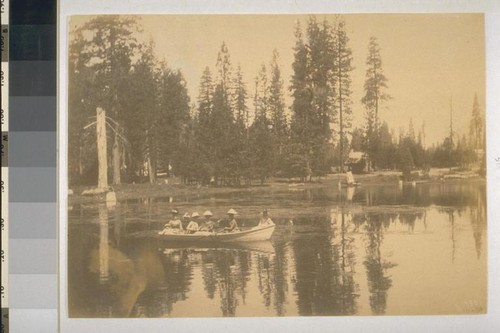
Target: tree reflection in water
[
  {"x": 232, "y": 270},
  {"x": 209, "y": 274},
  {"x": 264, "y": 279},
  {"x": 325, "y": 273},
  {"x": 271, "y": 279},
  {"x": 343, "y": 244},
  {"x": 376, "y": 267},
  {"x": 226, "y": 272},
  {"x": 176, "y": 283},
  {"x": 226, "y": 283},
  {"x": 409, "y": 218},
  {"x": 280, "y": 274},
  {"x": 478, "y": 220},
  {"x": 112, "y": 272},
  {"x": 475, "y": 211},
  {"x": 244, "y": 268},
  {"x": 113, "y": 280}
]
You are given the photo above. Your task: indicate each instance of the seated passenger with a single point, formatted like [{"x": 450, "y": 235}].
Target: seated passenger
[
  {"x": 208, "y": 224},
  {"x": 186, "y": 218},
  {"x": 233, "y": 225},
  {"x": 174, "y": 224},
  {"x": 222, "y": 223},
  {"x": 265, "y": 220},
  {"x": 193, "y": 225}
]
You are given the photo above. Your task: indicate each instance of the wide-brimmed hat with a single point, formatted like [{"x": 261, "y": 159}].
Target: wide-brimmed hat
[
  {"x": 208, "y": 213},
  {"x": 195, "y": 214},
  {"x": 232, "y": 212},
  {"x": 174, "y": 211},
  {"x": 186, "y": 215}
]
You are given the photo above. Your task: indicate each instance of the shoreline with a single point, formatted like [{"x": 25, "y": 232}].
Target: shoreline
[{"x": 136, "y": 191}]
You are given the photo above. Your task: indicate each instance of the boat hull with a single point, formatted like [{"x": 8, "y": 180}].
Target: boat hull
[
  {"x": 350, "y": 184},
  {"x": 251, "y": 235},
  {"x": 263, "y": 247}
]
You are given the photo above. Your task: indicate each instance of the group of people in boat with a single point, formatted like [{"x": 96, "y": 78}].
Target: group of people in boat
[{"x": 192, "y": 223}]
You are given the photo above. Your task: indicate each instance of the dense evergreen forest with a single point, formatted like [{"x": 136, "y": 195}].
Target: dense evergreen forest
[{"x": 232, "y": 133}]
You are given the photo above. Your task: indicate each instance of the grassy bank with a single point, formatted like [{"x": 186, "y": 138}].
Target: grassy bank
[{"x": 174, "y": 187}]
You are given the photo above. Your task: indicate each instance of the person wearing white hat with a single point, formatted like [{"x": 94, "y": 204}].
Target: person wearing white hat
[
  {"x": 208, "y": 224},
  {"x": 233, "y": 225},
  {"x": 193, "y": 225}
]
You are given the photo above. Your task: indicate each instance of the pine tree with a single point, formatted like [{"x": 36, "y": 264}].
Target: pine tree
[
  {"x": 224, "y": 71},
  {"x": 141, "y": 122},
  {"x": 261, "y": 147},
  {"x": 261, "y": 96},
  {"x": 312, "y": 93},
  {"x": 240, "y": 102},
  {"x": 205, "y": 103},
  {"x": 188, "y": 153},
  {"x": 374, "y": 87},
  {"x": 301, "y": 129},
  {"x": 276, "y": 98},
  {"x": 323, "y": 113},
  {"x": 241, "y": 124},
  {"x": 108, "y": 52},
  {"x": 277, "y": 114},
  {"x": 342, "y": 85},
  {"x": 260, "y": 136},
  {"x": 387, "y": 153},
  {"x": 222, "y": 118},
  {"x": 423, "y": 134},
  {"x": 476, "y": 127},
  {"x": 411, "y": 130},
  {"x": 81, "y": 107},
  {"x": 174, "y": 114},
  {"x": 204, "y": 131}
]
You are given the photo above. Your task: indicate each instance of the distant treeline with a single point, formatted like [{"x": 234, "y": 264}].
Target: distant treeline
[{"x": 153, "y": 128}]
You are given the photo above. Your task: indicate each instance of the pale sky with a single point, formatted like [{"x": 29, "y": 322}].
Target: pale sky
[{"x": 428, "y": 59}]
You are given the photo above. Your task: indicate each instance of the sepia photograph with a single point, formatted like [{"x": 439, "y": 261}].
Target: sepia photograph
[{"x": 276, "y": 165}]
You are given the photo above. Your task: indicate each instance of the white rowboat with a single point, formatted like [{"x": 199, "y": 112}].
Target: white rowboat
[{"x": 251, "y": 235}]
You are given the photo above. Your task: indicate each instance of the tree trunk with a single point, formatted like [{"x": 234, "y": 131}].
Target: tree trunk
[
  {"x": 151, "y": 160},
  {"x": 80, "y": 160},
  {"x": 151, "y": 171},
  {"x": 116, "y": 162},
  {"x": 341, "y": 123},
  {"x": 102, "y": 147},
  {"x": 103, "y": 244}
]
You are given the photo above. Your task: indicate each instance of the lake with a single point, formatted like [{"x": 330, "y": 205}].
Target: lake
[{"x": 371, "y": 250}]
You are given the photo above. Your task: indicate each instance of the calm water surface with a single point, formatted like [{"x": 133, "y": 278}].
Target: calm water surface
[{"x": 368, "y": 251}]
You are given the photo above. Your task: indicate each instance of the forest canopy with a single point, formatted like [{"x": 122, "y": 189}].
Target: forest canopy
[{"x": 238, "y": 129}]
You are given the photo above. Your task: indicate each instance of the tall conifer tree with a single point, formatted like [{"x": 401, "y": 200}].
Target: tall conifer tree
[
  {"x": 374, "y": 87},
  {"x": 277, "y": 113},
  {"x": 342, "y": 67},
  {"x": 476, "y": 127}
]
